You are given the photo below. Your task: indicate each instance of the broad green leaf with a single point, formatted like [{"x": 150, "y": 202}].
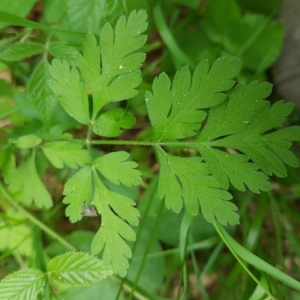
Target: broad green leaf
[
  {"x": 73, "y": 95},
  {"x": 23, "y": 284},
  {"x": 117, "y": 214},
  {"x": 21, "y": 50},
  {"x": 18, "y": 7},
  {"x": 176, "y": 109},
  {"x": 78, "y": 190},
  {"x": 29, "y": 185},
  {"x": 117, "y": 169},
  {"x": 258, "y": 40},
  {"x": 28, "y": 141},
  {"x": 78, "y": 269},
  {"x": 188, "y": 181},
  {"x": 66, "y": 153},
  {"x": 110, "y": 123},
  {"x": 39, "y": 91}
]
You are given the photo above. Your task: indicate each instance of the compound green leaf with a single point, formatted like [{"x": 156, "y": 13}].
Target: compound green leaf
[
  {"x": 235, "y": 168},
  {"x": 241, "y": 126},
  {"x": 28, "y": 141},
  {"x": 176, "y": 109},
  {"x": 21, "y": 50},
  {"x": 29, "y": 185},
  {"x": 247, "y": 129},
  {"x": 23, "y": 284},
  {"x": 188, "y": 181},
  {"x": 117, "y": 169},
  {"x": 65, "y": 153},
  {"x": 73, "y": 95},
  {"x": 110, "y": 123},
  {"x": 78, "y": 269},
  {"x": 117, "y": 214},
  {"x": 78, "y": 190}
]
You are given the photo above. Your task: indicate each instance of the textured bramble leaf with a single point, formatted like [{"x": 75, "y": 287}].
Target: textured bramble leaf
[
  {"x": 28, "y": 141},
  {"x": 117, "y": 211},
  {"x": 176, "y": 109},
  {"x": 78, "y": 190},
  {"x": 27, "y": 182},
  {"x": 39, "y": 90},
  {"x": 253, "y": 39},
  {"x": 188, "y": 180},
  {"x": 21, "y": 50},
  {"x": 117, "y": 169},
  {"x": 24, "y": 284},
  {"x": 117, "y": 214},
  {"x": 110, "y": 123},
  {"x": 78, "y": 269},
  {"x": 65, "y": 153}
]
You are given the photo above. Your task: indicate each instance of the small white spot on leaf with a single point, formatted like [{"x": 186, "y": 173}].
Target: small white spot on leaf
[{"x": 121, "y": 67}]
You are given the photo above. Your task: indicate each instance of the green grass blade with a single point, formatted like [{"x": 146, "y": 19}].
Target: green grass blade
[
  {"x": 257, "y": 262},
  {"x": 11, "y": 19}
]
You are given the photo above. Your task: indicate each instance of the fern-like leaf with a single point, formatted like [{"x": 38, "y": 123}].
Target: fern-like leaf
[{"x": 237, "y": 142}]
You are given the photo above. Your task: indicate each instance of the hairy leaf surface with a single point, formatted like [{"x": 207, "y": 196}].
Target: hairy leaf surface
[
  {"x": 78, "y": 269},
  {"x": 23, "y": 284}
]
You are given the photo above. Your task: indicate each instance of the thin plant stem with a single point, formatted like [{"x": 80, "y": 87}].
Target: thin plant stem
[{"x": 239, "y": 260}]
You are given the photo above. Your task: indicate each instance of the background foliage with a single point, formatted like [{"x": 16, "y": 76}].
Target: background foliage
[{"x": 65, "y": 139}]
